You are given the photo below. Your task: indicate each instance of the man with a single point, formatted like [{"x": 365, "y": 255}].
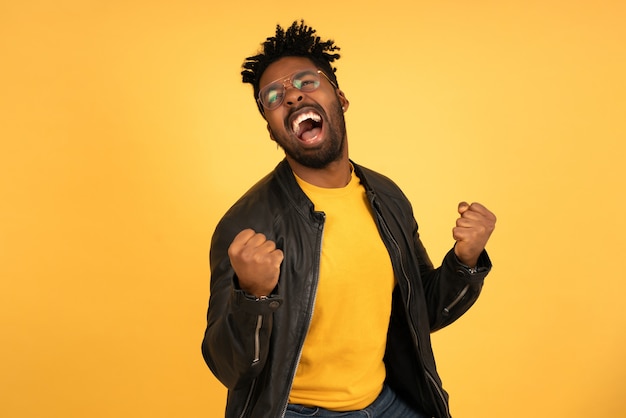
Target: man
[{"x": 322, "y": 296}]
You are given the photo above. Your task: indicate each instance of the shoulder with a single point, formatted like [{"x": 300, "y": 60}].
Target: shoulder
[
  {"x": 256, "y": 201},
  {"x": 267, "y": 203},
  {"x": 378, "y": 183}
]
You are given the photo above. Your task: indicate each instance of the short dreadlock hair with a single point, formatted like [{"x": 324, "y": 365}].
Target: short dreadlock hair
[{"x": 299, "y": 40}]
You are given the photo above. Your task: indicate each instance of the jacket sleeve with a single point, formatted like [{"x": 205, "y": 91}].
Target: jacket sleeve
[
  {"x": 239, "y": 326},
  {"x": 451, "y": 289}
]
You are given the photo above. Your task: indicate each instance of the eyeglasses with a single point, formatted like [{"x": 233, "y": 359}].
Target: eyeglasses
[{"x": 272, "y": 95}]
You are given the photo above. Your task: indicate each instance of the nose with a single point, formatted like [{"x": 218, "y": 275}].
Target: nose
[{"x": 293, "y": 95}]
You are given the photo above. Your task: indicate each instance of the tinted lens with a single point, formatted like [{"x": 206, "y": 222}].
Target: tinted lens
[
  {"x": 306, "y": 81},
  {"x": 272, "y": 96}
]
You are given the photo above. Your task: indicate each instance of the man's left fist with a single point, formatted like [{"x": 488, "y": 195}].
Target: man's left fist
[{"x": 472, "y": 231}]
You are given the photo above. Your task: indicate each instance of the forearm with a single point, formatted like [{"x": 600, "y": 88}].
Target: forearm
[
  {"x": 236, "y": 340},
  {"x": 453, "y": 288}
]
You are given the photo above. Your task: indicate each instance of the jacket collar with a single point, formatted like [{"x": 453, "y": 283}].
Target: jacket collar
[{"x": 287, "y": 181}]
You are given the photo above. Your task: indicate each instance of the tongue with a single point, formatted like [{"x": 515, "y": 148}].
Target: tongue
[
  {"x": 310, "y": 134},
  {"x": 309, "y": 129}
]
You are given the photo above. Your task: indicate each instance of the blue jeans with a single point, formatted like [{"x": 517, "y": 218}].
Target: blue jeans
[{"x": 387, "y": 405}]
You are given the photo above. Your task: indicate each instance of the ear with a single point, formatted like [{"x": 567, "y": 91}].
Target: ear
[{"x": 345, "y": 103}]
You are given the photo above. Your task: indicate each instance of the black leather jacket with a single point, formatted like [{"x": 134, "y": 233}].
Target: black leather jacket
[{"x": 253, "y": 346}]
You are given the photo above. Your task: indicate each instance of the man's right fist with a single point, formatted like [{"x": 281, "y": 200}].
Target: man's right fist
[{"x": 256, "y": 261}]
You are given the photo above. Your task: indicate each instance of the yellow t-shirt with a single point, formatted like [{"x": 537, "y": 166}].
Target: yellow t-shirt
[{"x": 342, "y": 367}]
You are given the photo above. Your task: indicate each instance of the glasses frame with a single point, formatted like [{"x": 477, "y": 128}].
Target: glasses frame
[{"x": 284, "y": 81}]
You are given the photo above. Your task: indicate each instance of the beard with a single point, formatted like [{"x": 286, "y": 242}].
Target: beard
[{"x": 328, "y": 151}]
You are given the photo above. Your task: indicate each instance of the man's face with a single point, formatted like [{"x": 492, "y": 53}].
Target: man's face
[{"x": 309, "y": 126}]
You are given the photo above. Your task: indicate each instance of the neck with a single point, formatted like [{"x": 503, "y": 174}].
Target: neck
[{"x": 337, "y": 174}]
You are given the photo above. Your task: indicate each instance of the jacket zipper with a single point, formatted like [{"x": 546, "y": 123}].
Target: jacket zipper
[
  {"x": 293, "y": 372},
  {"x": 408, "y": 300},
  {"x": 257, "y": 340},
  {"x": 256, "y": 359},
  {"x": 447, "y": 309}
]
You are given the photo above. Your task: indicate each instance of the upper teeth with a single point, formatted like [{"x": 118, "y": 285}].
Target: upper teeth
[{"x": 308, "y": 115}]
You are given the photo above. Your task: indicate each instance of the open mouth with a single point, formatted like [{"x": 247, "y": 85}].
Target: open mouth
[{"x": 307, "y": 126}]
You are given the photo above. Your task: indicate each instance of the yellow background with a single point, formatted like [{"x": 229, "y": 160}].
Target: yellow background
[{"x": 126, "y": 133}]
